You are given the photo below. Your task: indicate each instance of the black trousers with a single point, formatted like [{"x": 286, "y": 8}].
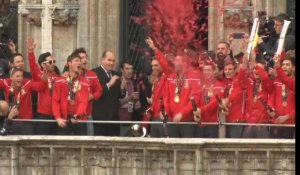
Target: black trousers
[
  {"x": 20, "y": 128},
  {"x": 256, "y": 132},
  {"x": 181, "y": 131},
  {"x": 282, "y": 132},
  {"x": 208, "y": 131},
  {"x": 234, "y": 131},
  {"x": 45, "y": 128},
  {"x": 73, "y": 129},
  {"x": 157, "y": 130},
  {"x": 106, "y": 129}
]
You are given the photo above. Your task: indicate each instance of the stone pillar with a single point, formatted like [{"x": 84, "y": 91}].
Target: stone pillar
[
  {"x": 98, "y": 28},
  {"x": 52, "y": 24},
  {"x": 46, "y": 26}
]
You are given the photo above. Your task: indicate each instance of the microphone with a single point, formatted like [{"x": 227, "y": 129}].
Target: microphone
[
  {"x": 268, "y": 107},
  {"x": 162, "y": 107},
  {"x": 192, "y": 99},
  {"x": 162, "y": 110},
  {"x": 193, "y": 103}
]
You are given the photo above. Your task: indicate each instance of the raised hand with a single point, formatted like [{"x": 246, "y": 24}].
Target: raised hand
[
  {"x": 30, "y": 45},
  {"x": 150, "y": 43},
  {"x": 12, "y": 46}
]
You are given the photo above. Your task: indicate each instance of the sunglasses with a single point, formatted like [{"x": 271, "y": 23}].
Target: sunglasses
[{"x": 50, "y": 61}]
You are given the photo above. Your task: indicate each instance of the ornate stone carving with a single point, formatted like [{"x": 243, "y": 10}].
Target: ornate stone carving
[
  {"x": 186, "y": 162},
  {"x": 160, "y": 162},
  {"x": 32, "y": 16},
  {"x": 5, "y": 160},
  {"x": 98, "y": 161},
  {"x": 67, "y": 161},
  {"x": 35, "y": 161},
  {"x": 65, "y": 16},
  {"x": 219, "y": 161},
  {"x": 252, "y": 162},
  {"x": 283, "y": 162},
  {"x": 129, "y": 161}
]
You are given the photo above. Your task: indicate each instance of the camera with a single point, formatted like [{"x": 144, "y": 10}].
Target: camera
[
  {"x": 6, "y": 127},
  {"x": 266, "y": 28}
]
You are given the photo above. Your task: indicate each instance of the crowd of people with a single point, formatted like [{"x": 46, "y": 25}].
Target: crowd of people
[{"x": 185, "y": 86}]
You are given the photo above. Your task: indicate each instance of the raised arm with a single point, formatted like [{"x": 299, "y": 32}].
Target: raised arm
[
  {"x": 166, "y": 68},
  {"x": 34, "y": 68}
]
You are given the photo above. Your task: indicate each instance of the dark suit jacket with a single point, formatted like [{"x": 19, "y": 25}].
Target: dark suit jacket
[{"x": 107, "y": 106}]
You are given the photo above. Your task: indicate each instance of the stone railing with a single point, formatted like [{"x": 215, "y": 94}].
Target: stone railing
[{"x": 75, "y": 155}]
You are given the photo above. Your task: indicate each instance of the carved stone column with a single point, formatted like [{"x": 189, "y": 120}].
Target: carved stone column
[
  {"x": 53, "y": 25},
  {"x": 98, "y": 28},
  {"x": 46, "y": 26}
]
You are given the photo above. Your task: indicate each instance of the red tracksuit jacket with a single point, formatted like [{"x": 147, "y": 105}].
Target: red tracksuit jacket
[
  {"x": 255, "y": 110},
  {"x": 276, "y": 99},
  {"x": 44, "y": 97},
  {"x": 95, "y": 88},
  {"x": 62, "y": 107},
  {"x": 159, "y": 87},
  {"x": 191, "y": 86},
  {"x": 209, "y": 109},
  {"x": 25, "y": 95},
  {"x": 288, "y": 81},
  {"x": 236, "y": 96}
]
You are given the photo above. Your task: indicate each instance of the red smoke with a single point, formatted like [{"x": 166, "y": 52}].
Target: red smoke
[{"x": 172, "y": 23}]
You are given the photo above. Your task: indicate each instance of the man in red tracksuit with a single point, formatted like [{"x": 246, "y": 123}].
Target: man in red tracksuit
[
  {"x": 180, "y": 86},
  {"x": 161, "y": 69},
  {"x": 70, "y": 99},
  {"x": 44, "y": 110},
  {"x": 282, "y": 98},
  {"x": 257, "y": 87},
  {"x": 17, "y": 92},
  {"x": 94, "y": 84},
  {"x": 208, "y": 106},
  {"x": 234, "y": 99}
]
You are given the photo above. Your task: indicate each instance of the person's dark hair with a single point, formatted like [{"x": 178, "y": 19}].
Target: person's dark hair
[
  {"x": 56, "y": 70},
  {"x": 290, "y": 56},
  {"x": 12, "y": 58},
  {"x": 261, "y": 61},
  {"x": 192, "y": 56},
  {"x": 13, "y": 70},
  {"x": 224, "y": 42},
  {"x": 72, "y": 57},
  {"x": 230, "y": 61},
  {"x": 281, "y": 17},
  {"x": 183, "y": 53},
  {"x": 210, "y": 63},
  {"x": 104, "y": 54},
  {"x": 42, "y": 57},
  {"x": 126, "y": 61},
  {"x": 79, "y": 50}
]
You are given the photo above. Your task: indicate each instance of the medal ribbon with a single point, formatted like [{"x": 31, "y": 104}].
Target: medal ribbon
[
  {"x": 179, "y": 83},
  {"x": 284, "y": 93}
]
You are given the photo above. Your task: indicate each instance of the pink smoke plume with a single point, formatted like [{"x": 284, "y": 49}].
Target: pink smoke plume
[{"x": 172, "y": 23}]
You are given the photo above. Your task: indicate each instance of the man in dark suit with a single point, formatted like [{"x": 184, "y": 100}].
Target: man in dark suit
[{"x": 106, "y": 107}]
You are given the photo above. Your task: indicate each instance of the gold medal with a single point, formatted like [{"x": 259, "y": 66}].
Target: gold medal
[
  {"x": 284, "y": 103},
  {"x": 176, "y": 99}
]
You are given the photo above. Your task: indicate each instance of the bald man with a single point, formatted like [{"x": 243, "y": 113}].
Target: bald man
[
  {"x": 3, "y": 108},
  {"x": 106, "y": 107}
]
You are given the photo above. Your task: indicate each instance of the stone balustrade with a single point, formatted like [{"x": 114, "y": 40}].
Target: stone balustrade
[{"x": 87, "y": 155}]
